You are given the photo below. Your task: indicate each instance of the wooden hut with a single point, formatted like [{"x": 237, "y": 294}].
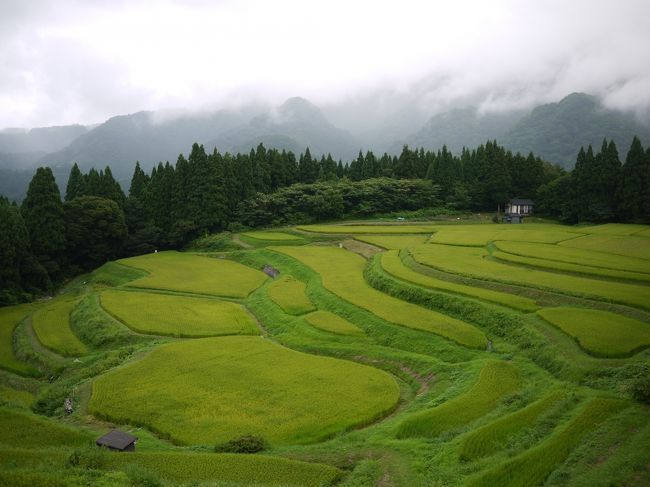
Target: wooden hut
[
  {"x": 117, "y": 440},
  {"x": 517, "y": 209}
]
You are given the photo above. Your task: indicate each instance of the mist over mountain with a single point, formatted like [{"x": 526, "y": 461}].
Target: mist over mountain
[
  {"x": 556, "y": 131},
  {"x": 294, "y": 125},
  {"x": 553, "y": 131}
]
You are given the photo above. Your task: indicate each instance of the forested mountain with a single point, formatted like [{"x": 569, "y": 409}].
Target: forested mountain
[
  {"x": 42, "y": 139},
  {"x": 553, "y": 131},
  {"x": 122, "y": 140},
  {"x": 461, "y": 127},
  {"x": 294, "y": 125}
]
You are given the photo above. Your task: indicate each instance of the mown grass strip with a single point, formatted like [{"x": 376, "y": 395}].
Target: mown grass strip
[
  {"x": 552, "y": 265},
  {"x": 393, "y": 265},
  {"x": 289, "y": 293},
  {"x": 369, "y": 229},
  {"x": 212, "y": 390},
  {"x": 533, "y": 466},
  {"x": 179, "y": 316},
  {"x": 496, "y": 380},
  {"x": 198, "y": 274},
  {"x": 473, "y": 262},
  {"x": 342, "y": 273},
  {"x": 488, "y": 439},
  {"x": 327, "y": 321},
  {"x": 394, "y": 242},
  {"x": 600, "y": 333},
  {"x": 51, "y": 324},
  {"x": 590, "y": 258},
  {"x": 630, "y": 246},
  {"x": 10, "y": 317}
]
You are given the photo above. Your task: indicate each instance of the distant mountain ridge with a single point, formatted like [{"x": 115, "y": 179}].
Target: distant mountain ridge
[{"x": 553, "y": 131}]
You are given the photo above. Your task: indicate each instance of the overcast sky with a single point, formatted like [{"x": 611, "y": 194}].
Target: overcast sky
[{"x": 67, "y": 61}]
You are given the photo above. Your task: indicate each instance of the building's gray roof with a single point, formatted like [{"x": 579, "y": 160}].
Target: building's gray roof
[
  {"x": 518, "y": 201},
  {"x": 116, "y": 439}
]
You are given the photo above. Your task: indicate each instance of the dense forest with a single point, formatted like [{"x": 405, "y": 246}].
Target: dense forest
[{"x": 48, "y": 240}]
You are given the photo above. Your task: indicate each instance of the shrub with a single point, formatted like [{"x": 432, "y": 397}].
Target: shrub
[
  {"x": 243, "y": 444},
  {"x": 641, "y": 389}
]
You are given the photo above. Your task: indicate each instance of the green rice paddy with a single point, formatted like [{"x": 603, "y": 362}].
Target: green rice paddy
[
  {"x": 52, "y": 327},
  {"x": 393, "y": 242},
  {"x": 180, "y": 316},
  {"x": 473, "y": 262},
  {"x": 600, "y": 332},
  {"x": 342, "y": 273},
  {"x": 327, "y": 321},
  {"x": 545, "y": 347},
  {"x": 174, "y": 271},
  {"x": 289, "y": 293},
  {"x": 391, "y": 263},
  {"x": 216, "y": 389},
  {"x": 496, "y": 380}
]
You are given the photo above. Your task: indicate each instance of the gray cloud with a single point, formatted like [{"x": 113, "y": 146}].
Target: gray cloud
[{"x": 367, "y": 62}]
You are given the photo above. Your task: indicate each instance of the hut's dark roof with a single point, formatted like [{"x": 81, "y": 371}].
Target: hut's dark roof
[
  {"x": 116, "y": 439},
  {"x": 519, "y": 201}
]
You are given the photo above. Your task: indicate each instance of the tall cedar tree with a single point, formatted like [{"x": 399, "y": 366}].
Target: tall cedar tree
[
  {"x": 42, "y": 211},
  {"x": 634, "y": 193},
  {"x": 76, "y": 185},
  {"x": 95, "y": 231}
]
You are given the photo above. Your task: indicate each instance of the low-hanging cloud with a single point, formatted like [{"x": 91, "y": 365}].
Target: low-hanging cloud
[{"x": 74, "y": 61}]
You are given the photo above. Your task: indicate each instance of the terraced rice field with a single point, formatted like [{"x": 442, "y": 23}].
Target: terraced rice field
[
  {"x": 599, "y": 332},
  {"x": 289, "y": 293},
  {"x": 492, "y": 437},
  {"x": 496, "y": 380},
  {"x": 174, "y": 271},
  {"x": 565, "y": 254},
  {"x": 342, "y": 273},
  {"x": 351, "y": 383},
  {"x": 396, "y": 229},
  {"x": 10, "y": 317},
  {"x": 629, "y": 246},
  {"x": 51, "y": 324},
  {"x": 275, "y": 236},
  {"x": 394, "y": 242},
  {"x": 391, "y": 263},
  {"x": 332, "y": 323},
  {"x": 534, "y": 465},
  {"x": 480, "y": 235},
  {"x": 588, "y": 271},
  {"x": 473, "y": 262},
  {"x": 232, "y": 386},
  {"x": 179, "y": 316}
]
